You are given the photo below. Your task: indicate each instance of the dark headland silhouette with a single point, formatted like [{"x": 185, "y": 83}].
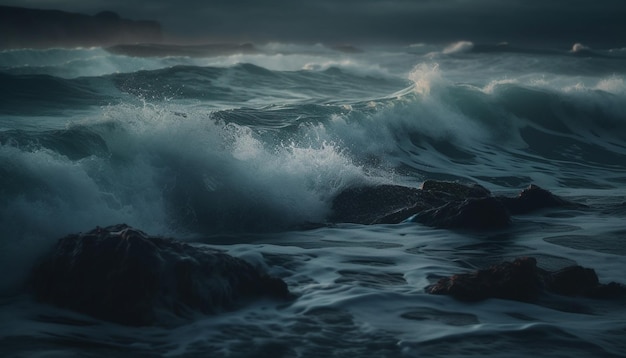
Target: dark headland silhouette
[{"x": 34, "y": 28}]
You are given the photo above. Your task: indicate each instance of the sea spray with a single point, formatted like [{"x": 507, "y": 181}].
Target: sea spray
[{"x": 249, "y": 150}]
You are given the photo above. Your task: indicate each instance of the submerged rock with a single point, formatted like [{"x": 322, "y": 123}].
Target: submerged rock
[
  {"x": 439, "y": 204},
  {"x": 122, "y": 275},
  {"x": 522, "y": 280}
]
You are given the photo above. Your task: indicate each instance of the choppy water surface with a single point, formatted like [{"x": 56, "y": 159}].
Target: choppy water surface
[{"x": 247, "y": 151}]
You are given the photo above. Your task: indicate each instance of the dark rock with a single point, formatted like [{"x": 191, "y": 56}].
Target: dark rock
[
  {"x": 434, "y": 195},
  {"x": 535, "y": 198},
  {"x": 439, "y": 204},
  {"x": 367, "y": 205},
  {"x": 456, "y": 191},
  {"x": 522, "y": 280},
  {"x": 475, "y": 213},
  {"x": 517, "y": 280},
  {"x": 392, "y": 204},
  {"x": 122, "y": 275},
  {"x": 573, "y": 281},
  {"x": 610, "y": 290}
]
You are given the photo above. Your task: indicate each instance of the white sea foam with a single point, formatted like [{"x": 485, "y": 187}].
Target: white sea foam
[
  {"x": 81, "y": 62},
  {"x": 613, "y": 84},
  {"x": 240, "y": 158},
  {"x": 425, "y": 76},
  {"x": 293, "y": 180},
  {"x": 491, "y": 86}
]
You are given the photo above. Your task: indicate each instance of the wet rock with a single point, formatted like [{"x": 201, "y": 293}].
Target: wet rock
[
  {"x": 517, "y": 280},
  {"x": 436, "y": 199},
  {"x": 392, "y": 204},
  {"x": 573, "y": 281},
  {"x": 439, "y": 204},
  {"x": 454, "y": 190},
  {"x": 522, "y": 280},
  {"x": 475, "y": 213},
  {"x": 534, "y": 198},
  {"x": 122, "y": 275},
  {"x": 368, "y": 205},
  {"x": 581, "y": 281}
]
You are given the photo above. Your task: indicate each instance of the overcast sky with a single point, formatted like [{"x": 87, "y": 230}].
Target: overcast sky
[{"x": 596, "y": 23}]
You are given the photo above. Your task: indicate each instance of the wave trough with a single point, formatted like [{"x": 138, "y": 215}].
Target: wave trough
[{"x": 248, "y": 150}]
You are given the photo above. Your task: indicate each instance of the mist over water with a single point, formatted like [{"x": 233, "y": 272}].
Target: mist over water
[{"x": 249, "y": 150}]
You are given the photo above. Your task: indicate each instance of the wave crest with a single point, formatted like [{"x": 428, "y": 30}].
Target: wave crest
[
  {"x": 424, "y": 77},
  {"x": 458, "y": 47}
]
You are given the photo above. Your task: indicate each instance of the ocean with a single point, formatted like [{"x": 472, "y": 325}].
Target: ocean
[{"x": 245, "y": 150}]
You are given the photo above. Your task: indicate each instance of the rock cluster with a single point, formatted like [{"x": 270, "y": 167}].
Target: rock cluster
[
  {"x": 522, "y": 280},
  {"x": 439, "y": 204}
]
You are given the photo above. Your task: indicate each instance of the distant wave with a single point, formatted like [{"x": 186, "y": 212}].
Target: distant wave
[
  {"x": 93, "y": 62},
  {"x": 577, "y": 49},
  {"x": 245, "y": 147},
  {"x": 222, "y": 86},
  {"x": 167, "y": 166},
  {"x": 458, "y": 47},
  {"x": 165, "y": 50},
  {"x": 45, "y": 95}
]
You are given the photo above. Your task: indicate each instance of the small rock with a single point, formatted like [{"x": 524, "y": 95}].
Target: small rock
[
  {"x": 517, "y": 280},
  {"x": 522, "y": 280}
]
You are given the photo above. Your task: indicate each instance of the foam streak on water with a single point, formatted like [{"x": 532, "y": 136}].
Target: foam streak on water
[{"x": 246, "y": 151}]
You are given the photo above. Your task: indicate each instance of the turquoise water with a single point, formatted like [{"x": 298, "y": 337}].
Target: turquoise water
[{"x": 247, "y": 151}]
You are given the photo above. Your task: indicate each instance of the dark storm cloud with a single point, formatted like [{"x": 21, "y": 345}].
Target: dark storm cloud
[{"x": 598, "y": 23}]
